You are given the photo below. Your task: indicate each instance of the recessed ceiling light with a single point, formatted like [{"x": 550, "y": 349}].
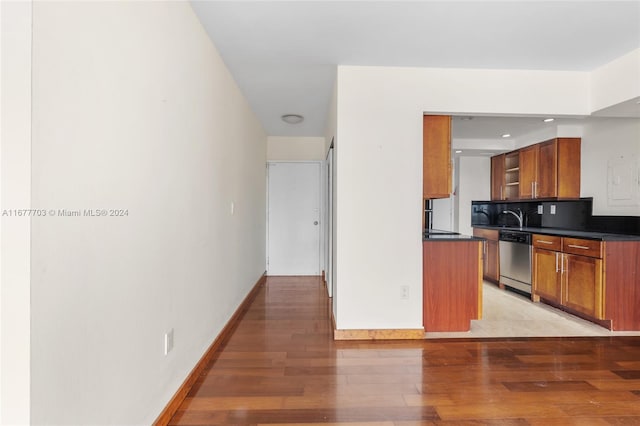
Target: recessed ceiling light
[
  {"x": 458, "y": 151},
  {"x": 292, "y": 118},
  {"x": 506, "y": 135},
  {"x": 548, "y": 120}
]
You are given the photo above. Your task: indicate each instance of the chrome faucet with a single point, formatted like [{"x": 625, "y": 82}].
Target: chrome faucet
[{"x": 519, "y": 215}]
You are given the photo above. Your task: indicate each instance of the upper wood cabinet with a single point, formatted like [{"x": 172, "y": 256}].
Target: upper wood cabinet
[
  {"x": 497, "y": 177},
  {"x": 549, "y": 169},
  {"x": 511, "y": 176},
  {"x": 547, "y": 179},
  {"x": 436, "y": 155},
  {"x": 528, "y": 171},
  {"x": 559, "y": 169}
]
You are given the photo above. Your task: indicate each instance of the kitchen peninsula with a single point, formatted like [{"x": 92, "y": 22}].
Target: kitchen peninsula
[{"x": 452, "y": 280}]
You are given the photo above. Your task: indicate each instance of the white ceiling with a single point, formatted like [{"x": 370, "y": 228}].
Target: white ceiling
[{"x": 284, "y": 54}]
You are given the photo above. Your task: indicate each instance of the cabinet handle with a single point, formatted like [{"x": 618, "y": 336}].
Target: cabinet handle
[
  {"x": 535, "y": 189},
  {"x": 556, "y": 262},
  {"x": 579, "y": 247},
  {"x": 501, "y": 195},
  {"x": 544, "y": 242},
  {"x": 561, "y": 263}
]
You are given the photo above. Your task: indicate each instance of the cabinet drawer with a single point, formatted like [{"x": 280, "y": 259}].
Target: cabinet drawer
[
  {"x": 548, "y": 242},
  {"x": 591, "y": 248},
  {"x": 489, "y": 234}
]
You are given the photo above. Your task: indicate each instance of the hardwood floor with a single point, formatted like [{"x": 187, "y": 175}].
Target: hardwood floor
[{"x": 281, "y": 366}]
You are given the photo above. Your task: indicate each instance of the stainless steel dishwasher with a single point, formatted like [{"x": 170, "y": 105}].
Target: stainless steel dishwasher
[{"x": 515, "y": 260}]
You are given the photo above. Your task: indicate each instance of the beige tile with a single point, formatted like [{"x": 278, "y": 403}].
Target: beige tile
[{"x": 507, "y": 314}]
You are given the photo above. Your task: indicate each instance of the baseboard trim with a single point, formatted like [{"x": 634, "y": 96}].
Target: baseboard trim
[
  {"x": 383, "y": 334},
  {"x": 182, "y": 392}
]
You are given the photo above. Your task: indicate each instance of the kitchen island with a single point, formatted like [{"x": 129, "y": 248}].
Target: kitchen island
[{"x": 452, "y": 280}]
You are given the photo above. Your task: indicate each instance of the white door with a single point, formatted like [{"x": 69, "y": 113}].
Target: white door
[{"x": 293, "y": 246}]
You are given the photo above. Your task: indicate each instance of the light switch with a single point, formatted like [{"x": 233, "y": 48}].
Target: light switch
[{"x": 553, "y": 209}]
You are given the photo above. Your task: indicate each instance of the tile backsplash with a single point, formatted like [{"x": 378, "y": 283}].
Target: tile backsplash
[{"x": 562, "y": 214}]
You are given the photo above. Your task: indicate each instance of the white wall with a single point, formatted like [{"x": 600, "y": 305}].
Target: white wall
[
  {"x": 134, "y": 109},
  {"x": 379, "y": 166},
  {"x": 616, "y": 81},
  {"x": 604, "y": 140},
  {"x": 474, "y": 184},
  {"x": 290, "y": 148},
  {"x": 15, "y": 194},
  {"x": 442, "y": 218}
]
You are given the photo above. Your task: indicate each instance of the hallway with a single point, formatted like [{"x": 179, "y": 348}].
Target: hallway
[{"x": 281, "y": 366}]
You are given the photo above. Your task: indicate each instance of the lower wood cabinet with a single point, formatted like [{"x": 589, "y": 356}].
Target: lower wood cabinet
[
  {"x": 492, "y": 261},
  {"x": 452, "y": 284},
  {"x": 582, "y": 285},
  {"x": 546, "y": 275},
  {"x": 599, "y": 280},
  {"x": 490, "y": 254}
]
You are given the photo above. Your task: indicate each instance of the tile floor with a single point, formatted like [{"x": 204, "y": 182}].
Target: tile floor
[{"x": 507, "y": 314}]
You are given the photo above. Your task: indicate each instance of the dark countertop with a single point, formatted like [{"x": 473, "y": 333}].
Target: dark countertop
[
  {"x": 568, "y": 233},
  {"x": 438, "y": 235}
]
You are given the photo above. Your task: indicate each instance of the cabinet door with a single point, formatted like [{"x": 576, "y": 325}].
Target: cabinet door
[
  {"x": 436, "y": 155},
  {"x": 492, "y": 262},
  {"x": 497, "y": 177},
  {"x": 568, "y": 152},
  {"x": 528, "y": 171},
  {"x": 547, "y": 176},
  {"x": 582, "y": 286},
  {"x": 546, "y": 274}
]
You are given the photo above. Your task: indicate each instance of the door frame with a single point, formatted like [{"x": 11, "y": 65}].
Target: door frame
[{"x": 328, "y": 234}]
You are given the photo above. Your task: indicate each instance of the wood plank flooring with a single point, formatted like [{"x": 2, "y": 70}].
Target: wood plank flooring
[{"x": 281, "y": 366}]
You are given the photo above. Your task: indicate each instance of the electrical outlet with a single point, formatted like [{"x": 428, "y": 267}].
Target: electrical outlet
[
  {"x": 168, "y": 341},
  {"x": 553, "y": 209},
  {"x": 404, "y": 292},
  {"x": 233, "y": 208},
  {"x": 540, "y": 209}
]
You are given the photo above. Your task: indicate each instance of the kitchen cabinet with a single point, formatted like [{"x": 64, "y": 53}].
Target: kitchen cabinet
[
  {"x": 545, "y": 269},
  {"x": 528, "y": 171},
  {"x": 582, "y": 269},
  {"x": 497, "y": 177},
  {"x": 547, "y": 179},
  {"x": 549, "y": 169},
  {"x": 511, "y": 176},
  {"x": 621, "y": 284},
  {"x": 490, "y": 254},
  {"x": 567, "y": 279},
  {"x": 452, "y": 284},
  {"x": 558, "y": 173},
  {"x": 436, "y": 155},
  {"x": 583, "y": 285},
  {"x": 546, "y": 275}
]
